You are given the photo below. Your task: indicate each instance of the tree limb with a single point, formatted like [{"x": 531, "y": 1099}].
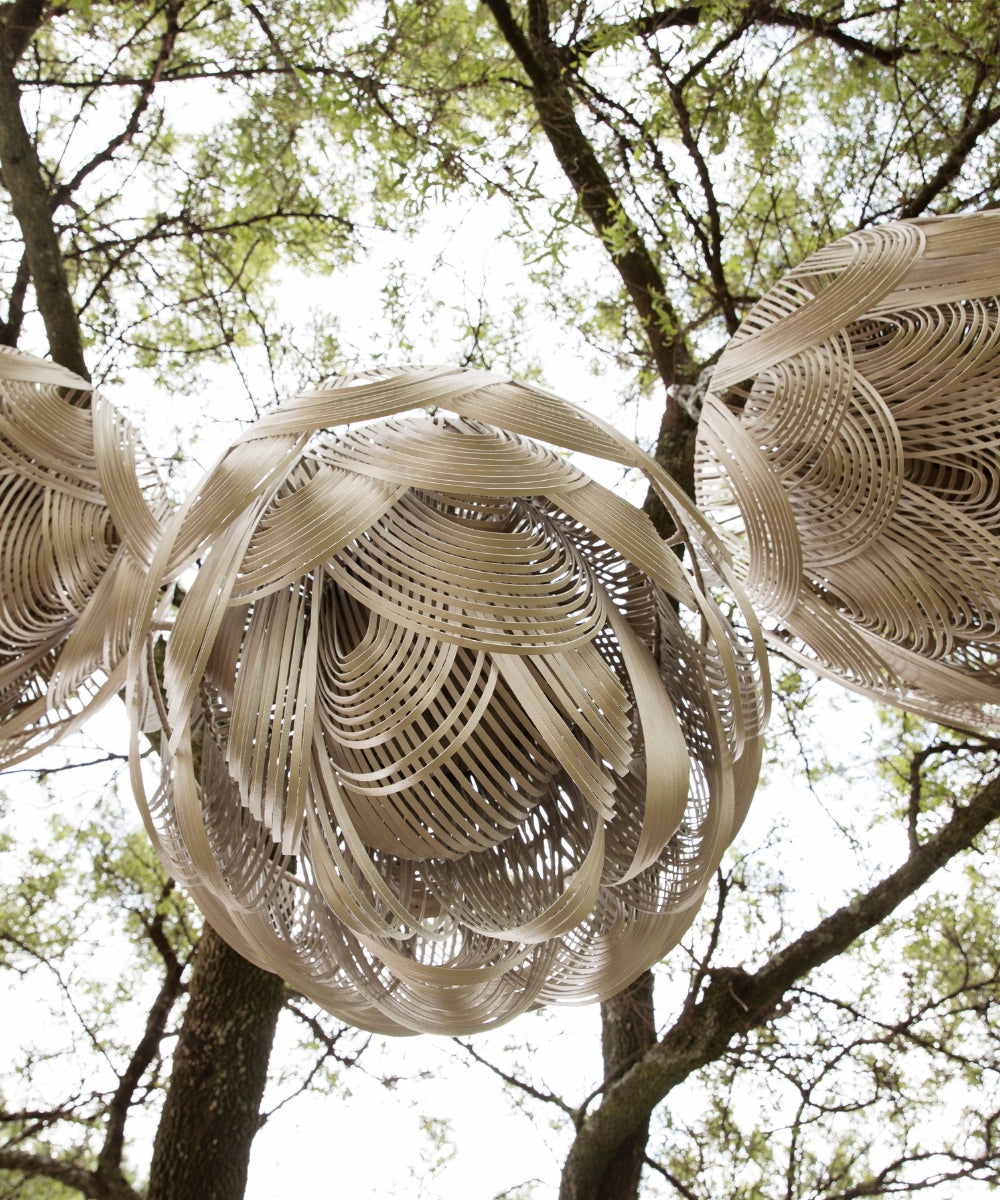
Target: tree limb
[
  {"x": 736, "y": 1001},
  {"x": 711, "y": 242},
  {"x": 85, "y": 1182},
  {"x": 30, "y": 202},
  {"x": 10, "y": 329},
  {"x": 689, "y": 15},
  {"x": 515, "y": 1081},
  {"x": 109, "y": 1162},
  {"x": 146, "y": 89},
  {"x": 953, "y": 162},
  {"x": 833, "y": 32},
  {"x": 541, "y": 61}
]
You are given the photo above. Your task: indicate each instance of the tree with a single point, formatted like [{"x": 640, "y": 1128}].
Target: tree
[
  {"x": 555, "y": 56},
  {"x": 96, "y": 936},
  {"x": 657, "y": 170},
  {"x": 232, "y": 1006},
  {"x": 840, "y": 1085}
]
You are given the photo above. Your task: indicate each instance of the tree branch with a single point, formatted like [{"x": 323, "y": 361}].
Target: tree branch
[
  {"x": 644, "y": 26},
  {"x": 689, "y": 15},
  {"x": 31, "y": 205},
  {"x": 953, "y": 162},
  {"x": 541, "y": 61},
  {"x": 146, "y": 89},
  {"x": 328, "y": 1043},
  {"x": 10, "y": 329},
  {"x": 711, "y": 243},
  {"x": 736, "y": 1001},
  {"x": 85, "y": 1182},
  {"x": 833, "y": 32},
  {"x": 677, "y": 1184},
  {"x": 109, "y": 1162},
  {"x": 516, "y": 1081},
  {"x": 833, "y": 935}
]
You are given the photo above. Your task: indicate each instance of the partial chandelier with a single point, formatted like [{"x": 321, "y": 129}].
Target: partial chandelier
[
  {"x": 849, "y": 450},
  {"x": 80, "y": 512}
]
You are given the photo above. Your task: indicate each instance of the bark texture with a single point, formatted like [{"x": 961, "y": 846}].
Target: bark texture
[
  {"x": 628, "y": 1030},
  {"x": 212, "y": 1110}
]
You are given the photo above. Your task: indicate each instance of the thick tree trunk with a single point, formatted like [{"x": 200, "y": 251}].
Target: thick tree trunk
[
  {"x": 212, "y": 1110},
  {"x": 628, "y": 1029}
]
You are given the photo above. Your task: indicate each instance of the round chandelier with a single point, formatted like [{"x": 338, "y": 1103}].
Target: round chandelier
[
  {"x": 848, "y": 450},
  {"x": 447, "y": 730}
]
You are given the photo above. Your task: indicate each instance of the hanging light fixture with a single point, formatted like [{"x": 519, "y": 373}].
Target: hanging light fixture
[
  {"x": 447, "y": 730},
  {"x": 848, "y": 448},
  {"x": 79, "y": 512}
]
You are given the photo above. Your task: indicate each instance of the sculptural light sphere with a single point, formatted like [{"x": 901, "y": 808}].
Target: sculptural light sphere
[
  {"x": 79, "y": 511},
  {"x": 448, "y": 731},
  {"x": 849, "y": 444}
]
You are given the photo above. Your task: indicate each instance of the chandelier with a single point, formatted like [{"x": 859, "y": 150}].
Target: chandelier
[
  {"x": 447, "y": 730},
  {"x": 848, "y": 451},
  {"x": 80, "y": 506}
]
